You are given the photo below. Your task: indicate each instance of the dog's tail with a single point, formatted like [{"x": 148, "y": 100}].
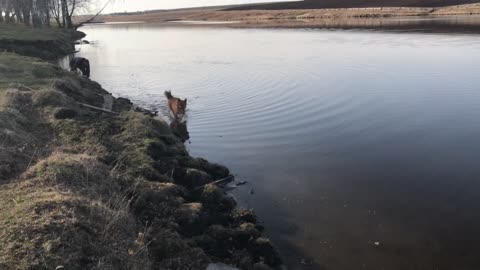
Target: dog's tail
[{"x": 168, "y": 94}]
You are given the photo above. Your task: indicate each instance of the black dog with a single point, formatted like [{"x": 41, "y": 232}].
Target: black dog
[{"x": 81, "y": 63}]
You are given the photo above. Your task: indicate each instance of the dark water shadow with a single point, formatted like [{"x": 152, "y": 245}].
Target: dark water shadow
[
  {"x": 278, "y": 224},
  {"x": 179, "y": 129}
]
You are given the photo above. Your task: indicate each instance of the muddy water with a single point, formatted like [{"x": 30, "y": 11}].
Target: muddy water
[{"x": 361, "y": 149}]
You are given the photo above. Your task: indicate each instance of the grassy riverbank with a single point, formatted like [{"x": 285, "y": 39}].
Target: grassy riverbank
[
  {"x": 85, "y": 189},
  {"x": 45, "y": 43}
]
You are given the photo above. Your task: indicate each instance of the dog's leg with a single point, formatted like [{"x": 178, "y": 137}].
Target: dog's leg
[{"x": 170, "y": 107}]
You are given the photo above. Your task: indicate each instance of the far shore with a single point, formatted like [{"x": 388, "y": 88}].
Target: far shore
[{"x": 455, "y": 18}]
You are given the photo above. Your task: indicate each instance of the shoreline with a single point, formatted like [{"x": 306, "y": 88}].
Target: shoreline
[
  {"x": 81, "y": 187},
  {"x": 463, "y": 18}
]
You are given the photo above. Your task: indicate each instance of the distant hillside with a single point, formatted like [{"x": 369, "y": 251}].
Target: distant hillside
[{"x": 314, "y": 4}]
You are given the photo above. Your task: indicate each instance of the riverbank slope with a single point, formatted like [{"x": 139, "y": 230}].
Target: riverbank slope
[{"x": 85, "y": 185}]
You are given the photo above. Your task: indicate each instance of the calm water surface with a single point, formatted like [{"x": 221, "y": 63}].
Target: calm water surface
[{"x": 362, "y": 148}]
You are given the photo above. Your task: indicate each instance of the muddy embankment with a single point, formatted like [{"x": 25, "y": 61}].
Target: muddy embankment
[{"x": 82, "y": 188}]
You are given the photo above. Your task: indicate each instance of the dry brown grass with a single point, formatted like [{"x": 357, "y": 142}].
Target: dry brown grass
[
  {"x": 56, "y": 208},
  {"x": 103, "y": 191},
  {"x": 28, "y": 71},
  {"x": 42, "y": 227}
]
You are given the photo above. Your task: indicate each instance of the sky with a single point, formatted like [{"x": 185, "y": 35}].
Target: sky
[{"x": 140, "y": 5}]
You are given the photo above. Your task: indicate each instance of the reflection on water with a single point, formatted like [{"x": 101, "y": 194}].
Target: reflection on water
[
  {"x": 361, "y": 147},
  {"x": 206, "y": 22},
  {"x": 454, "y": 24},
  {"x": 179, "y": 129}
]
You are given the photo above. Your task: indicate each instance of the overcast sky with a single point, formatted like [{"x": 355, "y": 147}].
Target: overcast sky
[{"x": 140, "y": 5}]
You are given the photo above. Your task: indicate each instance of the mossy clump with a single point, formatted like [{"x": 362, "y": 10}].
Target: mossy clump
[
  {"x": 188, "y": 214},
  {"x": 216, "y": 198},
  {"x": 11, "y": 163},
  {"x": 64, "y": 113},
  {"x": 188, "y": 259},
  {"x": 246, "y": 232},
  {"x": 89, "y": 136},
  {"x": 15, "y": 127},
  {"x": 157, "y": 205},
  {"x": 49, "y": 98},
  {"x": 16, "y": 99},
  {"x": 26, "y": 70},
  {"x": 144, "y": 141},
  {"x": 264, "y": 250},
  {"x": 78, "y": 172},
  {"x": 74, "y": 88},
  {"x": 20, "y": 132},
  {"x": 192, "y": 178},
  {"x": 167, "y": 244},
  {"x": 215, "y": 170},
  {"x": 122, "y": 104},
  {"x": 240, "y": 215}
]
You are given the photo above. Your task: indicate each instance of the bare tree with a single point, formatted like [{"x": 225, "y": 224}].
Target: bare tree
[
  {"x": 17, "y": 7},
  {"x": 8, "y": 11},
  {"x": 70, "y": 7},
  {"x": 39, "y": 13},
  {"x": 27, "y": 8},
  {"x": 44, "y": 12},
  {"x": 2, "y": 9},
  {"x": 55, "y": 7},
  {"x": 94, "y": 16}
]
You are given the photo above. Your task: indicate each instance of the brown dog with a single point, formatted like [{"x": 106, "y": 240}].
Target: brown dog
[{"x": 176, "y": 105}]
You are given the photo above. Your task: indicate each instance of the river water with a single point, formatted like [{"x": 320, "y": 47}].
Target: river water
[{"x": 360, "y": 148}]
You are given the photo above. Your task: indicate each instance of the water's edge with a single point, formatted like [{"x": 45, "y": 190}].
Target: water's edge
[{"x": 155, "y": 196}]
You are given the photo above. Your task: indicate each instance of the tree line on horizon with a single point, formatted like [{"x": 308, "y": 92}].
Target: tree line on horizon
[{"x": 41, "y": 13}]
